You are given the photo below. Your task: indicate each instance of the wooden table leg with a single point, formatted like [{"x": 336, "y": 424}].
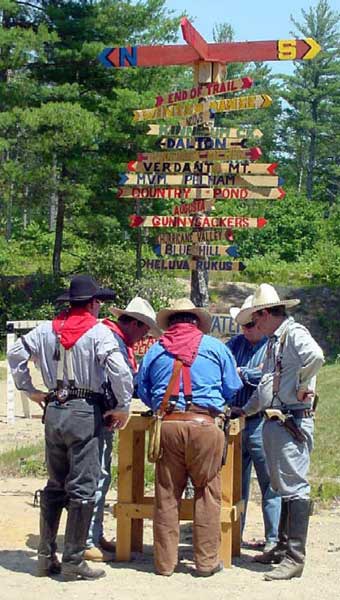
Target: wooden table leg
[
  {"x": 237, "y": 494},
  {"x": 227, "y": 500},
  {"x": 138, "y": 488},
  {"x": 124, "y": 493}
]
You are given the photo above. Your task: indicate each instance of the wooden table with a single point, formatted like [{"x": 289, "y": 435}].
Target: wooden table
[{"x": 133, "y": 506}]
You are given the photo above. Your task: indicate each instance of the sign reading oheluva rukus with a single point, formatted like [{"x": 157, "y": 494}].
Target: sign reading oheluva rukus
[{"x": 200, "y": 164}]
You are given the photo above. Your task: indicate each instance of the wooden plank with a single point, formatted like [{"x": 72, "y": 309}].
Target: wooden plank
[
  {"x": 236, "y": 104},
  {"x": 206, "y": 89},
  {"x": 189, "y": 237},
  {"x": 144, "y": 510},
  {"x": 158, "y": 193},
  {"x": 234, "y": 153},
  {"x": 194, "y": 39},
  {"x": 191, "y": 265},
  {"x": 229, "y": 52},
  {"x": 188, "y": 179},
  {"x": 138, "y": 443},
  {"x": 223, "y": 193},
  {"x": 187, "y": 130},
  {"x": 243, "y": 167},
  {"x": 196, "y": 250},
  {"x": 201, "y": 142},
  {"x": 199, "y": 221},
  {"x": 237, "y": 495},
  {"x": 124, "y": 492}
]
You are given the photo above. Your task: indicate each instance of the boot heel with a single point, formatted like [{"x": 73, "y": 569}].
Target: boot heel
[{"x": 71, "y": 571}]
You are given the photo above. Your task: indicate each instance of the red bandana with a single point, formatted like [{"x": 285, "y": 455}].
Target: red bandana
[
  {"x": 182, "y": 340},
  {"x": 71, "y": 324},
  {"x": 116, "y": 329}
]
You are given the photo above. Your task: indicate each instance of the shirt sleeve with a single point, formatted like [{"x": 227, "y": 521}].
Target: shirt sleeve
[
  {"x": 309, "y": 354},
  {"x": 253, "y": 405},
  {"x": 18, "y": 356},
  {"x": 231, "y": 381},
  {"x": 144, "y": 384},
  {"x": 116, "y": 369}
]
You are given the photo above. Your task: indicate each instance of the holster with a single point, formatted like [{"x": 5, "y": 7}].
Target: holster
[
  {"x": 226, "y": 431},
  {"x": 295, "y": 431}
]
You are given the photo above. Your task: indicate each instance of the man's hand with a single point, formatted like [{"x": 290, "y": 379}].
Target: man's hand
[
  {"x": 305, "y": 395},
  {"x": 236, "y": 412},
  {"x": 39, "y": 398},
  {"x": 116, "y": 419}
]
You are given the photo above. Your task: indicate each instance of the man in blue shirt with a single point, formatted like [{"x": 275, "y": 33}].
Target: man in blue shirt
[
  {"x": 249, "y": 349},
  {"x": 192, "y": 445}
]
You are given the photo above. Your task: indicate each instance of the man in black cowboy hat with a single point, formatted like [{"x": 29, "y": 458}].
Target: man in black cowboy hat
[{"x": 76, "y": 353}]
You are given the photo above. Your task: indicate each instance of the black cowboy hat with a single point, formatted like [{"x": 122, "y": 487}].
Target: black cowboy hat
[{"x": 84, "y": 287}]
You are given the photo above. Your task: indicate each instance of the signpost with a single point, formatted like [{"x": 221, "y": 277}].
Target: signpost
[{"x": 201, "y": 163}]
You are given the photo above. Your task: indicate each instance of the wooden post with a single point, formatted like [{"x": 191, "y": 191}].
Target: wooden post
[{"x": 204, "y": 72}]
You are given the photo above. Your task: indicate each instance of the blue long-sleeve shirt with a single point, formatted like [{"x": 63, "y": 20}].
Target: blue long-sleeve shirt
[
  {"x": 248, "y": 357},
  {"x": 214, "y": 377}
]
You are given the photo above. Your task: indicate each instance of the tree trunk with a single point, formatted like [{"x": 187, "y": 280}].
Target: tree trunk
[
  {"x": 311, "y": 154},
  {"x": 59, "y": 229},
  {"x": 53, "y": 201}
]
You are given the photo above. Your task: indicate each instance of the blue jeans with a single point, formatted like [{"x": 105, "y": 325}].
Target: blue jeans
[
  {"x": 253, "y": 453},
  {"x": 96, "y": 525}
]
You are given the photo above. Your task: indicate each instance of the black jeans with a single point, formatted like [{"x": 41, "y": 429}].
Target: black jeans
[{"x": 72, "y": 432}]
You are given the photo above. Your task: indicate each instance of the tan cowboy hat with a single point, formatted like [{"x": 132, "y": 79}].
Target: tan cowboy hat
[
  {"x": 234, "y": 310},
  {"x": 139, "y": 309},
  {"x": 184, "y": 305},
  {"x": 265, "y": 296}
]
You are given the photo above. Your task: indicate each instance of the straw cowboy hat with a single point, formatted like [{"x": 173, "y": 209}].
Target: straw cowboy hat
[
  {"x": 139, "y": 309},
  {"x": 184, "y": 305},
  {"x": 84, "y": 287},
  {"x": 234, "y": 310},
  {"x": 265, "y": 296}
]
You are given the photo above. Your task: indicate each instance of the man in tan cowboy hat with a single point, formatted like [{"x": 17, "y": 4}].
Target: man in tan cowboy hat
[
  {"x": 197, "y": 373},
  {"x": 285, "y": 392},
  {"x": 134, "y": 322},
  {"x": 249, "y": 349}
]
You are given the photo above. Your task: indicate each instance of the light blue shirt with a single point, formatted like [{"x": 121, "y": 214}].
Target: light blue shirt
[{"x": 214, "y": 378}]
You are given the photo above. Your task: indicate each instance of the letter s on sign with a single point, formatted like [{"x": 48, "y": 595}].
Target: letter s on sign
[{"x": 286, "y": 49}]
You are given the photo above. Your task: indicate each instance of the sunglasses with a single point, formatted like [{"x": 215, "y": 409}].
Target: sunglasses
[{"x": 249, "y": 325}]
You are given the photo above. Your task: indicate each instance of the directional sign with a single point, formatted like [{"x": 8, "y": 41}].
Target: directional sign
[
  {"x": 190, "y": 208},
  {"x": 223, "y": 193},
  {"x": 235, "y": 153},
  {"x": 189, "y": 179},
  {"x": 141, "y": 347},
  {"x": 229, "y": 52},
  {"x": 195, "y": 250},
  {"x": 202, "y": 143},
  {"x": 156, "y": 193},
  {"x": 224, "y": 325},
  {"x": 202, "y": 167},
  {"x": 188, "y": 130},
  {"x": 192, "y": 265},
  {"x": 222, "y": 105},
  {"x": 189, "y": 237},
  {"x": 205, "y": 89},
  {"x": 196, "y": 221}
]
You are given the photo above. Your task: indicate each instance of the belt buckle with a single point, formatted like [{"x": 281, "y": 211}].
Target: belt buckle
[{"x": 62, "y": 395}]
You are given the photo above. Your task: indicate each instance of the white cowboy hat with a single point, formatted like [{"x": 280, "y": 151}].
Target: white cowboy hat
[
  {"x": 184, "y": 305},
  {"x": 234, "y": 310},
  {"x": 265, "y": 296},
  {"x": 139, "y": 309}
]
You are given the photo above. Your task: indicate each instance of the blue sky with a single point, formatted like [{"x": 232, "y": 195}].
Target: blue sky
[{"x": 250, "y": 19}]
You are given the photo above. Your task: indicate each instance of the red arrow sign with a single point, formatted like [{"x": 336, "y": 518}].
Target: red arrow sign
[{"x": 196, "y": 221}]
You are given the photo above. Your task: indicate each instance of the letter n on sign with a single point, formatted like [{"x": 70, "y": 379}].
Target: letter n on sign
[{"x": 128, "y": 57}]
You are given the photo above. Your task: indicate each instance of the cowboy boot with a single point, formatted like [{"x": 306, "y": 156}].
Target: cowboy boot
[
  {"x": 51, "y": 505},
  {"x": 277, "y": 554},
  {"x": 293, "y": 563},
  {"x": 73, "y": 564}
]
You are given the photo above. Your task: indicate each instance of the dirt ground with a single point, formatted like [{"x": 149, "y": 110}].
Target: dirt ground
[{"x": 19, "y": 521}]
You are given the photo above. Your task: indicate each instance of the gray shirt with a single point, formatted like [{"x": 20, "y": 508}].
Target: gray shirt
[
  {"x": 95, "y": 356},
  {"x": 302, "y": 358}
]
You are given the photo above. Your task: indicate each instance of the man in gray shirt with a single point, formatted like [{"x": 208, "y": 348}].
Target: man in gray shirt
[
  {"x": 285, "y": 392},
  {"x": 75, "y": 353}
]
